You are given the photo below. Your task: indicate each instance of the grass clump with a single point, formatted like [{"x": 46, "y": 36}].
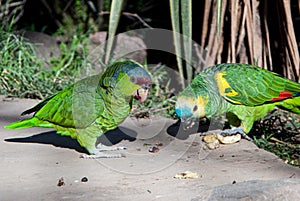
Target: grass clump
[
  {"x": 19, "y": 67},
  {"x": 22, "y": 74},
  {"x": 279, "y": 133}
]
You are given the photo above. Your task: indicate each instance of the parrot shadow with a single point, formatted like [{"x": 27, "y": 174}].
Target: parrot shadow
[
  {"x": 117, "y": 135},
  {"x": 110, "y": 138},
  {"x": 177, "y": 129}
]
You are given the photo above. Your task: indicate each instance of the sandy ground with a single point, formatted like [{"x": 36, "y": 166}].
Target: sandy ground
[{"x": 34, "y": 160}]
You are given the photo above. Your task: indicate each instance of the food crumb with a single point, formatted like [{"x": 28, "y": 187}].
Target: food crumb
[{"x": 187, "y": 175}]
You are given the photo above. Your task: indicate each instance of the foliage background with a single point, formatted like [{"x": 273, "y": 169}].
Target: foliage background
[{"x": 251, "y": 31}]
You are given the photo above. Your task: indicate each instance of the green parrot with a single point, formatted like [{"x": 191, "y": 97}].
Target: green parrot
[
  {"x": 92, "y": 106},
  {"x": 243, "y": 92}
]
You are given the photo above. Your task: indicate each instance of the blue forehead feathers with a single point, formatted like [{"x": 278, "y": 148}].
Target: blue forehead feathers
[
  {"x": 117, "y": 70},
  {"x": 183, "y": 112}
]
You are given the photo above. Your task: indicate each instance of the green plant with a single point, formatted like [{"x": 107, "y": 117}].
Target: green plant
[
  {"x": 74, "y": 19},
  {"x": 22, "y": 74},
  {"x": 19, "y": 67},
  {"x": 279, "y": 133},
  {"x": 115, "y": 13},
  {"x": 73, "y": 56},
  {"x": 182, "y": 8}
]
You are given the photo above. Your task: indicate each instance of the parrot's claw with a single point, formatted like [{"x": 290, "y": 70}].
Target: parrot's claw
[
  {"x": 101, "y": 150},
  {"x": 101, "y": 147},
  {"x": 228, "y": 132},
  {"x": 235, "y": 130},
  {"x": 101, "y": 155}
]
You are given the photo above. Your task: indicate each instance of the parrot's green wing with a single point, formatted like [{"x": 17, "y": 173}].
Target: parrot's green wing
[
  {"x": 252, "y": 86},
  {"x": 74, "y": 107}
]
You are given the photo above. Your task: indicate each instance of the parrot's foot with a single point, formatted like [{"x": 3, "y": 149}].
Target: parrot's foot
[
  {"x": 100, "y": 154},
  {"x": 101, "y": 147},
  {"x": 228, "y": 132},
  {"x": 235, "y": 130}
]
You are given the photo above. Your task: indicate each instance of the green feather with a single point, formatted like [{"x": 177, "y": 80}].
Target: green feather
[{"x": 27, "y": 123}]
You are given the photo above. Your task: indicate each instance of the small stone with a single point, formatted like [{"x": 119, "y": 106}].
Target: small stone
[
  {"x": 153, "y": 149},
  {"x": 61, "y": 182},
  {"x": 84, "y": 179}
]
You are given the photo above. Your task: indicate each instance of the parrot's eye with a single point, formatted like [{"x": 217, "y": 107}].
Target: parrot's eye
[
  {"x": 195, "y": 108},
  {"x": 133, "y": 79}
]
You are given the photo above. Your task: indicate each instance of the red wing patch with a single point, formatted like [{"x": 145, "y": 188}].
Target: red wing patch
[{"x": 283, "y": 95}]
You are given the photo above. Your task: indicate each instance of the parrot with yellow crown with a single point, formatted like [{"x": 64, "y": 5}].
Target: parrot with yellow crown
[{"x": 245, "y": 93}]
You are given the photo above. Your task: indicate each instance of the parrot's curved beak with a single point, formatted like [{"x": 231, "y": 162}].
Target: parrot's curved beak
[{"x": 141, "y": 94}]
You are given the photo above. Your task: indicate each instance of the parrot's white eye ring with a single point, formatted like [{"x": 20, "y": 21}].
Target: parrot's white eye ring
[{"x": 133, "y": 79}]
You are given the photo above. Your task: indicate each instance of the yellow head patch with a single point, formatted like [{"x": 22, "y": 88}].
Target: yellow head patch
[
  {"x": 191, "y": 106},
  {"x": 201, "y": 102}
]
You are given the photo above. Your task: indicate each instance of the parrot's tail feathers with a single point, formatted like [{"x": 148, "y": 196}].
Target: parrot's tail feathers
[
  {"x": 292, "y": 104},
  {"x": 28, "y": 123},
  {"x": 292, "y": 86}
]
